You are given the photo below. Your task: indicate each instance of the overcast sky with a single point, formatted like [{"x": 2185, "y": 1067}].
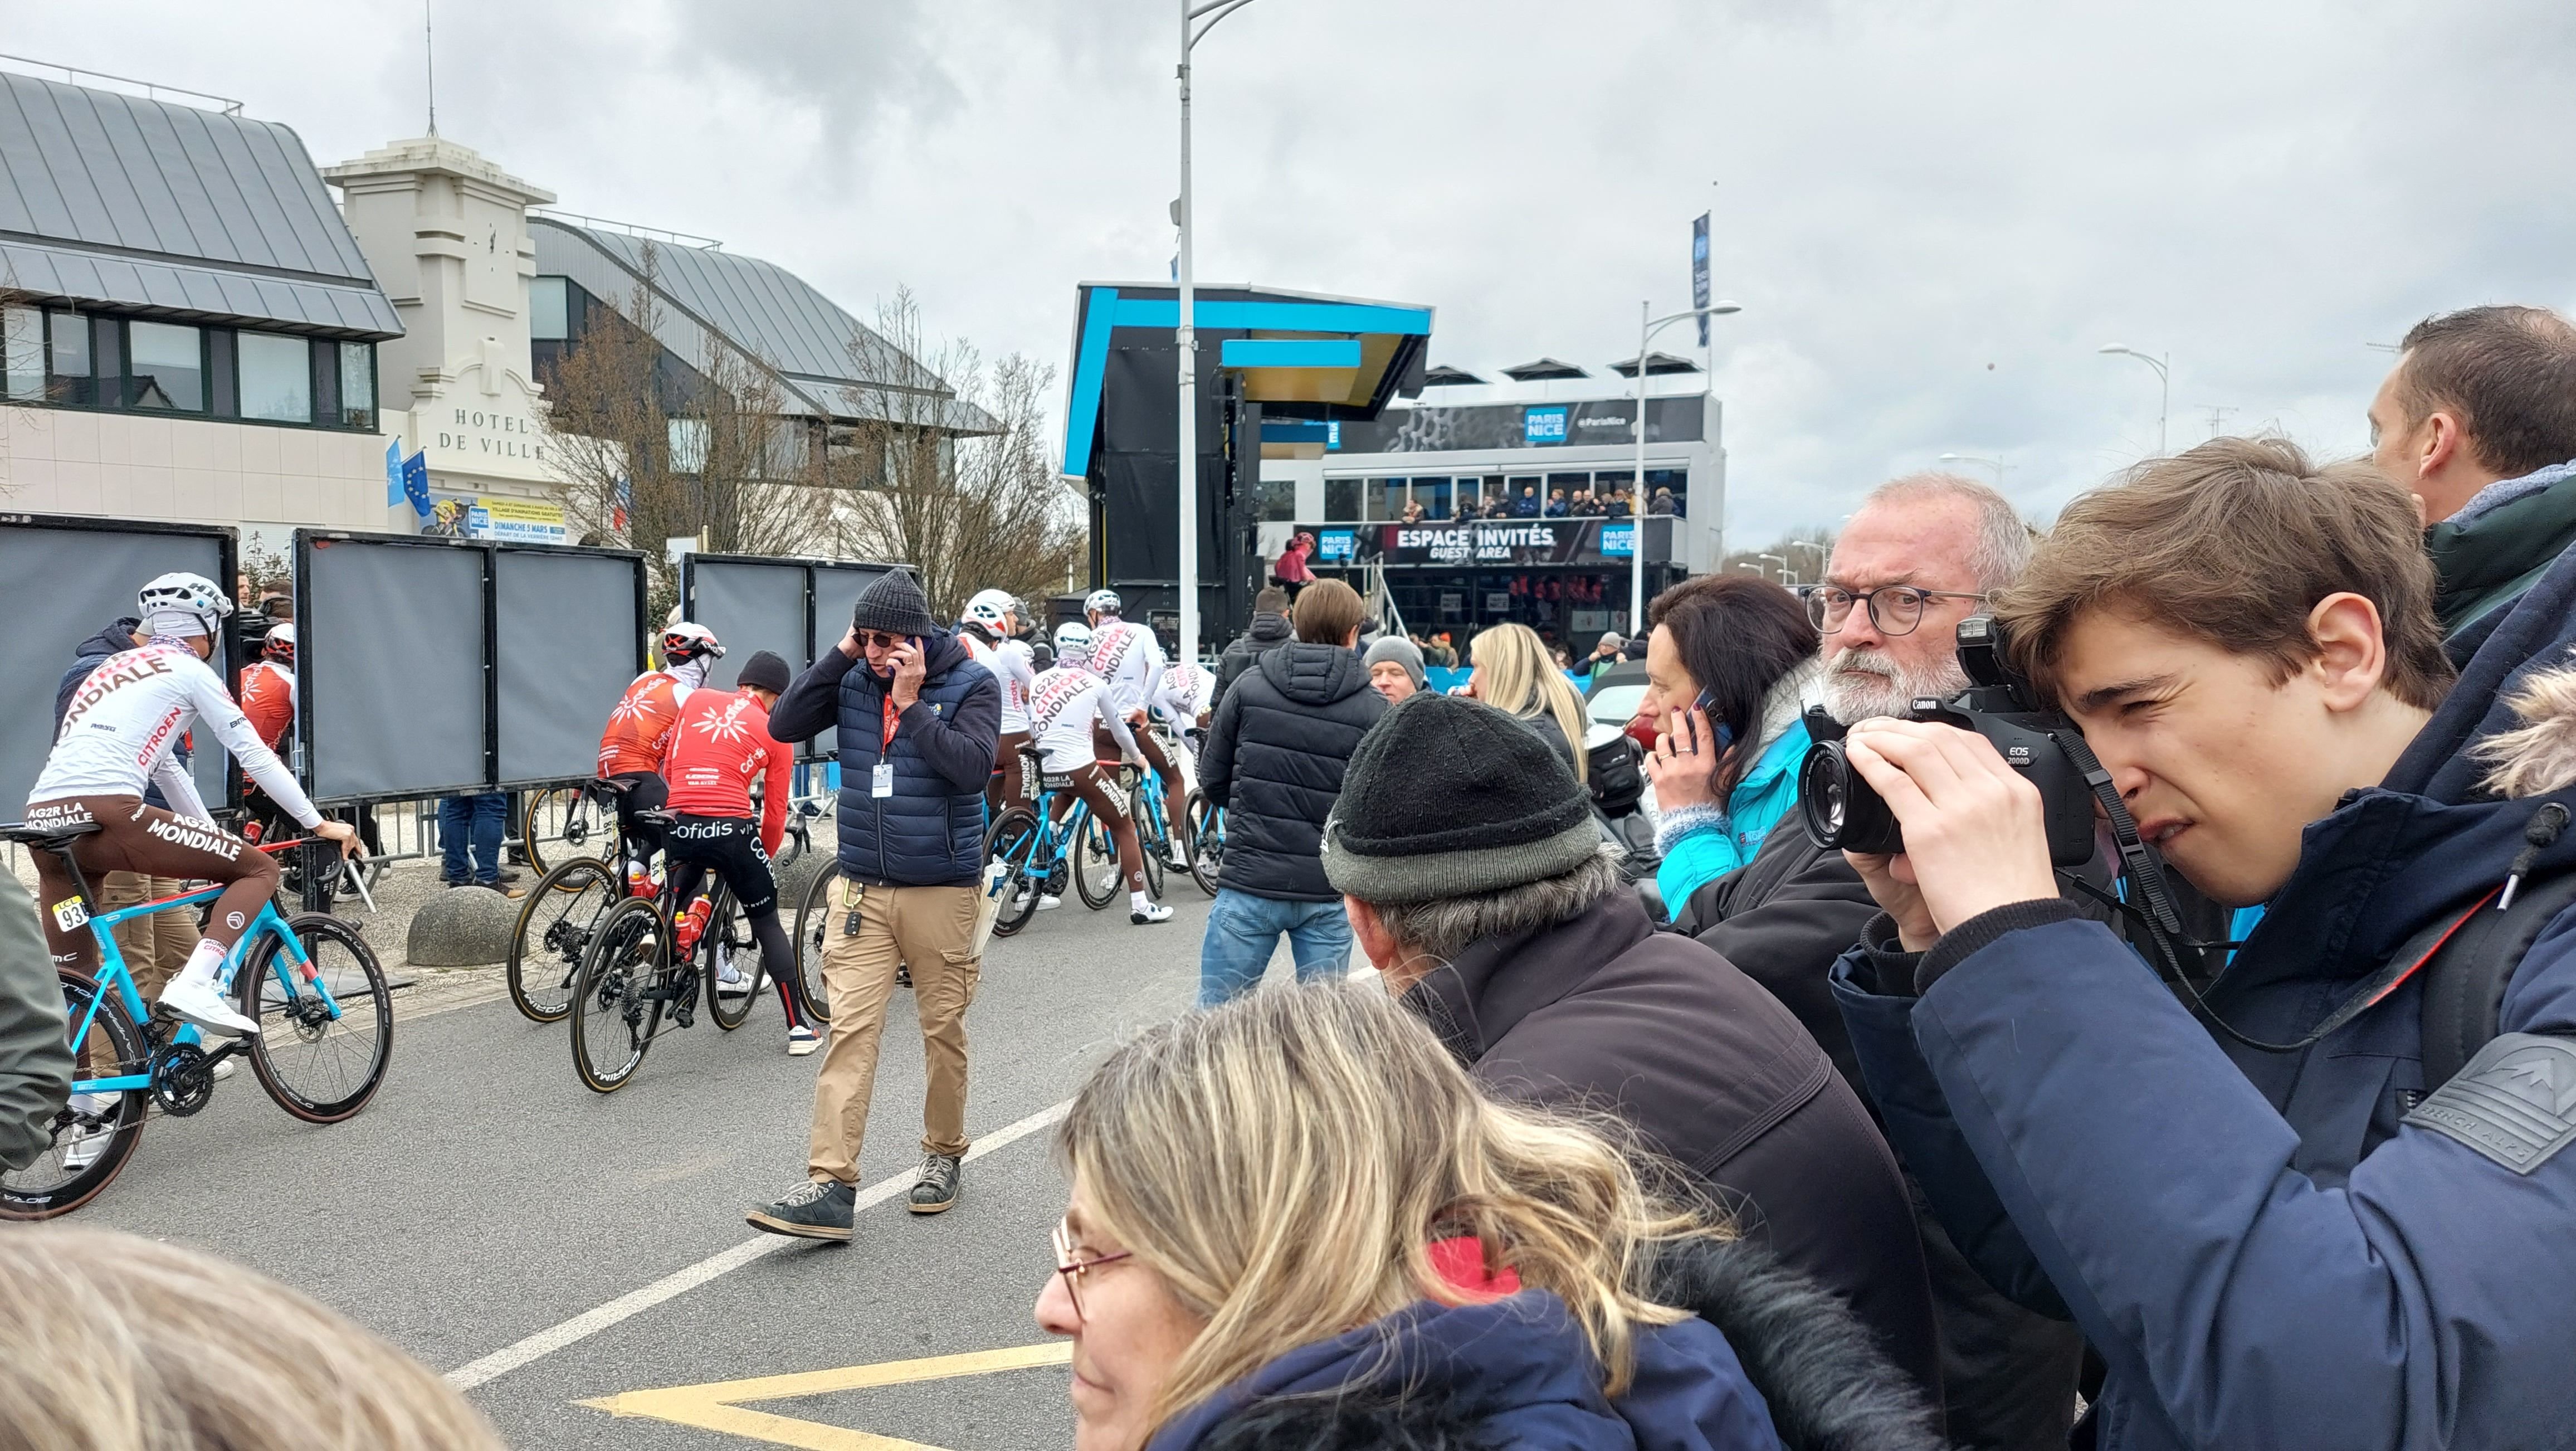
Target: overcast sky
[{"x": 1934, "y": 213}]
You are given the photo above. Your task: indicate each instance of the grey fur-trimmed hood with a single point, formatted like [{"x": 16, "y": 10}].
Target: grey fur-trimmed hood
[{"x": 2538, "y": 756}]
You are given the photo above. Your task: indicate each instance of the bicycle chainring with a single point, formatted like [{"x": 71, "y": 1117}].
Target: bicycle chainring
[{"x": 183, "y": 1079}]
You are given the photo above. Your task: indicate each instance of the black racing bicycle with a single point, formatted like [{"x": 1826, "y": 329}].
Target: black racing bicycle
[{"x": 651, "y": 959}]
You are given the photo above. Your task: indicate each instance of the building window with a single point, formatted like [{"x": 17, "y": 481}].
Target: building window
[
  {"x": 70, "y": 380},
  {"x": 688, "y": 445},
  {"x": 276, "y": 377},
  {"x": 546, "y": 320},
  {"x": 169, "y": 367},
  {"x": 1278, "y": 501},
  {"x": 358, "y": 386},
  {"x": 22, "y": 352},
  {"x": 1341, "y": 501},
  {"x": 1385, "y": 499}
]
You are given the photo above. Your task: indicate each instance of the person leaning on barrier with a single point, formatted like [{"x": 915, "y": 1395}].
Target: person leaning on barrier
[
  {"x": 1294, "y": 1222},
  {"x": 1476, "y": 882},
  {"x": 2478, "y": 422},
  {"x": 2271, "y": 1222}
]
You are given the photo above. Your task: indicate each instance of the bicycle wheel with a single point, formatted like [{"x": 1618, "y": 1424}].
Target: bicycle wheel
[
  {"x": 566, "y": 807},
  {"x": 1015, "y": 843},
  {"x": 1153, "y": 837},
  {"x": 728, "y": 937},
  {"x": 555, "y": 923},
  {"x": 1095, "y": 863},
  {"x": 319, "y": 1068},
  {"x": 52, "y": 1185},
  {"x": 617, "y": 999},
  {"x": 813, "y": 919},
  {"x": 1207, "y": 842}
]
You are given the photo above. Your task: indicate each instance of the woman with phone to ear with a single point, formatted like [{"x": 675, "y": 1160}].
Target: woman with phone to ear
[{"x": 1730, "y": 667}]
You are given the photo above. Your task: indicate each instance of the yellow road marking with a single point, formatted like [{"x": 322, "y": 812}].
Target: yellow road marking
[{"x": 717, "y": 1405}]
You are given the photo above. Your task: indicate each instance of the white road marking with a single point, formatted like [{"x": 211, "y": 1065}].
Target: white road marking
[{"x": 635, "y": 1302}]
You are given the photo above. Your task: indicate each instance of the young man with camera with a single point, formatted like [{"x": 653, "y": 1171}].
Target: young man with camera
[{"x": 2268, "y": 1222}]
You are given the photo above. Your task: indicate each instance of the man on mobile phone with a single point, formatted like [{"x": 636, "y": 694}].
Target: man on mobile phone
[{"x": 917, "y": 723}]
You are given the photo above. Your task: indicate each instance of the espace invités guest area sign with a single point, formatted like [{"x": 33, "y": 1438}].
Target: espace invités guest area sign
[{"x": 1555, "y": 541}]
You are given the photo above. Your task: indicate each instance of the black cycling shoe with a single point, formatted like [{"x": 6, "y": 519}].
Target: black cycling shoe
[
  {"x": 818, "y": 1210},
  {"x": 936, "y": 1189},
  {"x": 903, "y": 974}
]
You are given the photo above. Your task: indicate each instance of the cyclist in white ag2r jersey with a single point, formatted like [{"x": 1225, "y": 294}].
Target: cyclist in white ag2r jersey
[
  {"x": 118, "y": 734},
  {"x": 1132, "y": 661},
  {"x": 991, "y": 621},
  {"x": 1069, "y": 703}
]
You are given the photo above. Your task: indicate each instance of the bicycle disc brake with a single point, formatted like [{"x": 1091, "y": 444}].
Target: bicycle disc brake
[{"x": 183, "y": 1079}]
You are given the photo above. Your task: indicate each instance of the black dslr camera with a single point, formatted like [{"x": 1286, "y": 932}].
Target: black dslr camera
[{"x": 1842, "y": 810}]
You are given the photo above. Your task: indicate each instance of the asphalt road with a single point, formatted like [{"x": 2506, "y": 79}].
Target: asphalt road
[{"x": 554, "y": 1250}]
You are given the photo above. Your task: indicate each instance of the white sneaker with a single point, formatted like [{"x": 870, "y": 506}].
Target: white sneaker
[
  {"x": 1150, "y": 912},
  {"x": 802, "y": 1040},
  {"x": 223, "y": 1069},
  {"x": 197, "y": 1000},
  {"x": 1049, "y": 904},
  {"x": 82, "y": 1144},
  {"x": 730, "y": 981}
]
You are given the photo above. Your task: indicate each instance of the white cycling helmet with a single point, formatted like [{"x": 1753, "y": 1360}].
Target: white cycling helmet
[
  {"x": 686, "y": 641},
  {"x": 988, "y": 607},
  {"x": 1102, "y": 602},
  {"x": 191, "y": 598},
  {"x": 281, "y": 643},
  {"x": 1073, "y": 643}
]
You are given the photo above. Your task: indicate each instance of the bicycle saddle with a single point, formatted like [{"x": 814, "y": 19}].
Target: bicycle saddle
[{"x": 51, "y": 836}]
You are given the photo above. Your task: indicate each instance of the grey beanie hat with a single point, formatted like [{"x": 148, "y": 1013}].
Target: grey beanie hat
[
  {"x": 1402, "y": 652},
  {"x": 1449, "y": 797},
  {"x": 896, "y": 605}
]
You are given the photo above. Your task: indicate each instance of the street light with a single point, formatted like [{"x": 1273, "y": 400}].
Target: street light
[
  {"x": 2164, "y": 385},
  {"x": 1996, "y": 463},
  {"x": 1186, "y": 334},
  {"x": 1822, "y": 554},
  {"x": 1784, "y": 566},
  {"x": 1637, "y": 508}
]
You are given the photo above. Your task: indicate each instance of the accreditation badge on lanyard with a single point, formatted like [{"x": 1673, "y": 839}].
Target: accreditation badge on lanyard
[{"x": 881, "y": 781}]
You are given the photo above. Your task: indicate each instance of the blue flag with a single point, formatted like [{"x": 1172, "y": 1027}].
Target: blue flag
[
  {"x": 415, "y": 478},
  {"x": 393, "y": 472},
  {"x": 1699, "y": 273}
]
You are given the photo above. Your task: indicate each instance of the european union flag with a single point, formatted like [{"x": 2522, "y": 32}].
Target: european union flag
[
  {"x": 415, "y": 482},
  {"x": 393, "y": 473}
]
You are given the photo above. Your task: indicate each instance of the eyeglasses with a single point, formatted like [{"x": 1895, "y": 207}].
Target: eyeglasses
[
  {"x": 879, "y": 639},
  {"x": 1073, "y": 1269},
  {"x": 1893, "y": 609}
]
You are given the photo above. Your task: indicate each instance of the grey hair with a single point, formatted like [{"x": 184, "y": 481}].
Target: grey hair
[
  {"x": 2003, "y": 541},
  {"x": 1440, "y": 930}
]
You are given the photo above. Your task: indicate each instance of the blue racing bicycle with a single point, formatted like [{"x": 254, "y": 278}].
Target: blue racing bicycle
[
  {"x": 1038, "y": 853},
  {"x": 326, "y": 1030}
]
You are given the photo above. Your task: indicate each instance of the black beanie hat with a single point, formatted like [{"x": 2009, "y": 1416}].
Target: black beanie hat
[
  {"x": 1448, "y": 797},
  {"x": 896, "y": 605},
  {"x": 765, "y": 671}
]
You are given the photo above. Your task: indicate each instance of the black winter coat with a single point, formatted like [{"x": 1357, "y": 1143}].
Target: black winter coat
[
  {"x": 1274, "y": 760},
  {"x": 1267, "y": 632},
  {"x": 1607, "y": 1013}
]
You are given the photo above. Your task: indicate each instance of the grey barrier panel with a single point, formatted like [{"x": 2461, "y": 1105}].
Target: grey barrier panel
[
  {"x": 65, "y": 579},
  {"x": 569, "y": 630},
  {"x": 752, "y": 605},
  {"x": 390, "y": 648}
]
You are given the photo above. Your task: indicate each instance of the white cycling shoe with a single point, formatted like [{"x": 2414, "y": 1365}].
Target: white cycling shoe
[
  {"x": 1049, "y": 904},
  {"x": 193, "y": 996},
  {"x": 83, "y": 1144},
  {"x": 1150, "y": 912},
  {"x": 731, "y": 981}
]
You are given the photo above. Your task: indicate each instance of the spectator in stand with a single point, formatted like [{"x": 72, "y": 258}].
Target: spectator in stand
[
  {"x": 1527, "y": 505},
  {"x": 2478, "y": 422},
  {"x": 1395, "y": 669},
  {"x": 1274, "y": 761},
  {"x": 1291, "y": 570},
  {"x": 1515, "y": 675},
  {"x": 1725, "y": 772},
  {"x": 1563, "y": 657},
  {"x": 1476, "y": 881},
  {"x": 1556, "y": 505},
  {"x": 1664, "y": 503},
  {"x": 1412, "y": 512},
  {"x": 1441, "y": 652},
  {"x": 155, "y": 947},
  {"x": 1294, "y": 1222},
  {"x": 114, "y": 1342},
  {"x": 1605, "y": 653},
  {"x": 1621, "y": 506},
  {"x": 1269, "y": 628}
]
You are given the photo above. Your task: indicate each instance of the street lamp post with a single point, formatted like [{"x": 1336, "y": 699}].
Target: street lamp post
[
  {"x": 1784, "y": 566},
  {"x": 1646, "y": 331},
  {"x": 1822, "y": 553},
  {"x": 2164, "y": 385},
  {"x": 1186, "y": 334},
  {"x": 1996, "y": 463}
]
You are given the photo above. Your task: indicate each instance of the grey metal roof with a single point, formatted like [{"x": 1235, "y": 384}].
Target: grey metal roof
[
  {"x": 829, "y": 363},
  {"x": 116, "y": 199}
]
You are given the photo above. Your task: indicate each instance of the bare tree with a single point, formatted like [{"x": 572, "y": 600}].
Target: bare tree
[{"x": 954, "y": 471}]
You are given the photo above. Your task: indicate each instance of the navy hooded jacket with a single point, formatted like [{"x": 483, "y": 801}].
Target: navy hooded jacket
[
  {"x": 930, "y": 831},
  {"x": 115, "y": 639},
  {"x": 2275, "y": 1249}
]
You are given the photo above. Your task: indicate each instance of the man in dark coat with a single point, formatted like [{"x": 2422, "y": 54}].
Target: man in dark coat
[
  {"x": 1269, "y": 630},
  {"x": 1274, "y": 761},
  {"x": 917, "y": 728},
  {"x": 1475, "y": 880}
]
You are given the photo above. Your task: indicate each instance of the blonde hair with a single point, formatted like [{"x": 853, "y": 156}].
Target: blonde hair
[
  {"x": 1285, "y": 1161},
  {"x": 110, "y": 1342},
  {"x": 1522, "y": 680}
]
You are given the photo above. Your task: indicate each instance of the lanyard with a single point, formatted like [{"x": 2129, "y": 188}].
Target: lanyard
[{"x": 891, "y": 716}]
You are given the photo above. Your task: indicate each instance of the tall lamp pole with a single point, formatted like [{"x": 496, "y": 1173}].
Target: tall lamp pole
[
  {"x": 1186, "y": 334},
  {"x": 2164, "y": 384},
  {"x": 1646, "y": 331}
]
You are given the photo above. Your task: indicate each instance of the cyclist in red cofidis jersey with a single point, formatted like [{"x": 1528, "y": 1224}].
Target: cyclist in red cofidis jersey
[{"x": 630, "y": 748}]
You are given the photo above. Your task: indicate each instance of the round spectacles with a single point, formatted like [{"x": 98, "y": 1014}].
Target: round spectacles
[
  {"x": 1894, "y": 609},
  {"x": 1073, "y": 1268}
]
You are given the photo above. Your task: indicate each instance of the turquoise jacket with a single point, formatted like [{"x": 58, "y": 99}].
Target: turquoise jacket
[{"x": 1701, "y": 843}]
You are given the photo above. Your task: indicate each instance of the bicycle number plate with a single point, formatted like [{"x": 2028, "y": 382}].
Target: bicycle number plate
[{"x": 70, "y": 915}]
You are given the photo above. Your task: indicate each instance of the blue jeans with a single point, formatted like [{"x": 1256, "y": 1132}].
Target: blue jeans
[
  {"x": 479, "y": 822},
  {"x": 1243, "y": 929}
]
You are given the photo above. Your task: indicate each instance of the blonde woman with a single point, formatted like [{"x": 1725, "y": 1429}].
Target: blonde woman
[
  {"x": 110, "y": 1342},
  {"x": 1514, "y": 673},
  {"x": 1295, "y": 1222}
]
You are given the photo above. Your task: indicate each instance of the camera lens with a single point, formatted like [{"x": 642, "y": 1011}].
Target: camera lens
[{"x": 1839, "y": 809}]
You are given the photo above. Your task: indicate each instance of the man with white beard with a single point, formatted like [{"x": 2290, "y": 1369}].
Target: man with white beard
[{"x": 1920, "y": 555}]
